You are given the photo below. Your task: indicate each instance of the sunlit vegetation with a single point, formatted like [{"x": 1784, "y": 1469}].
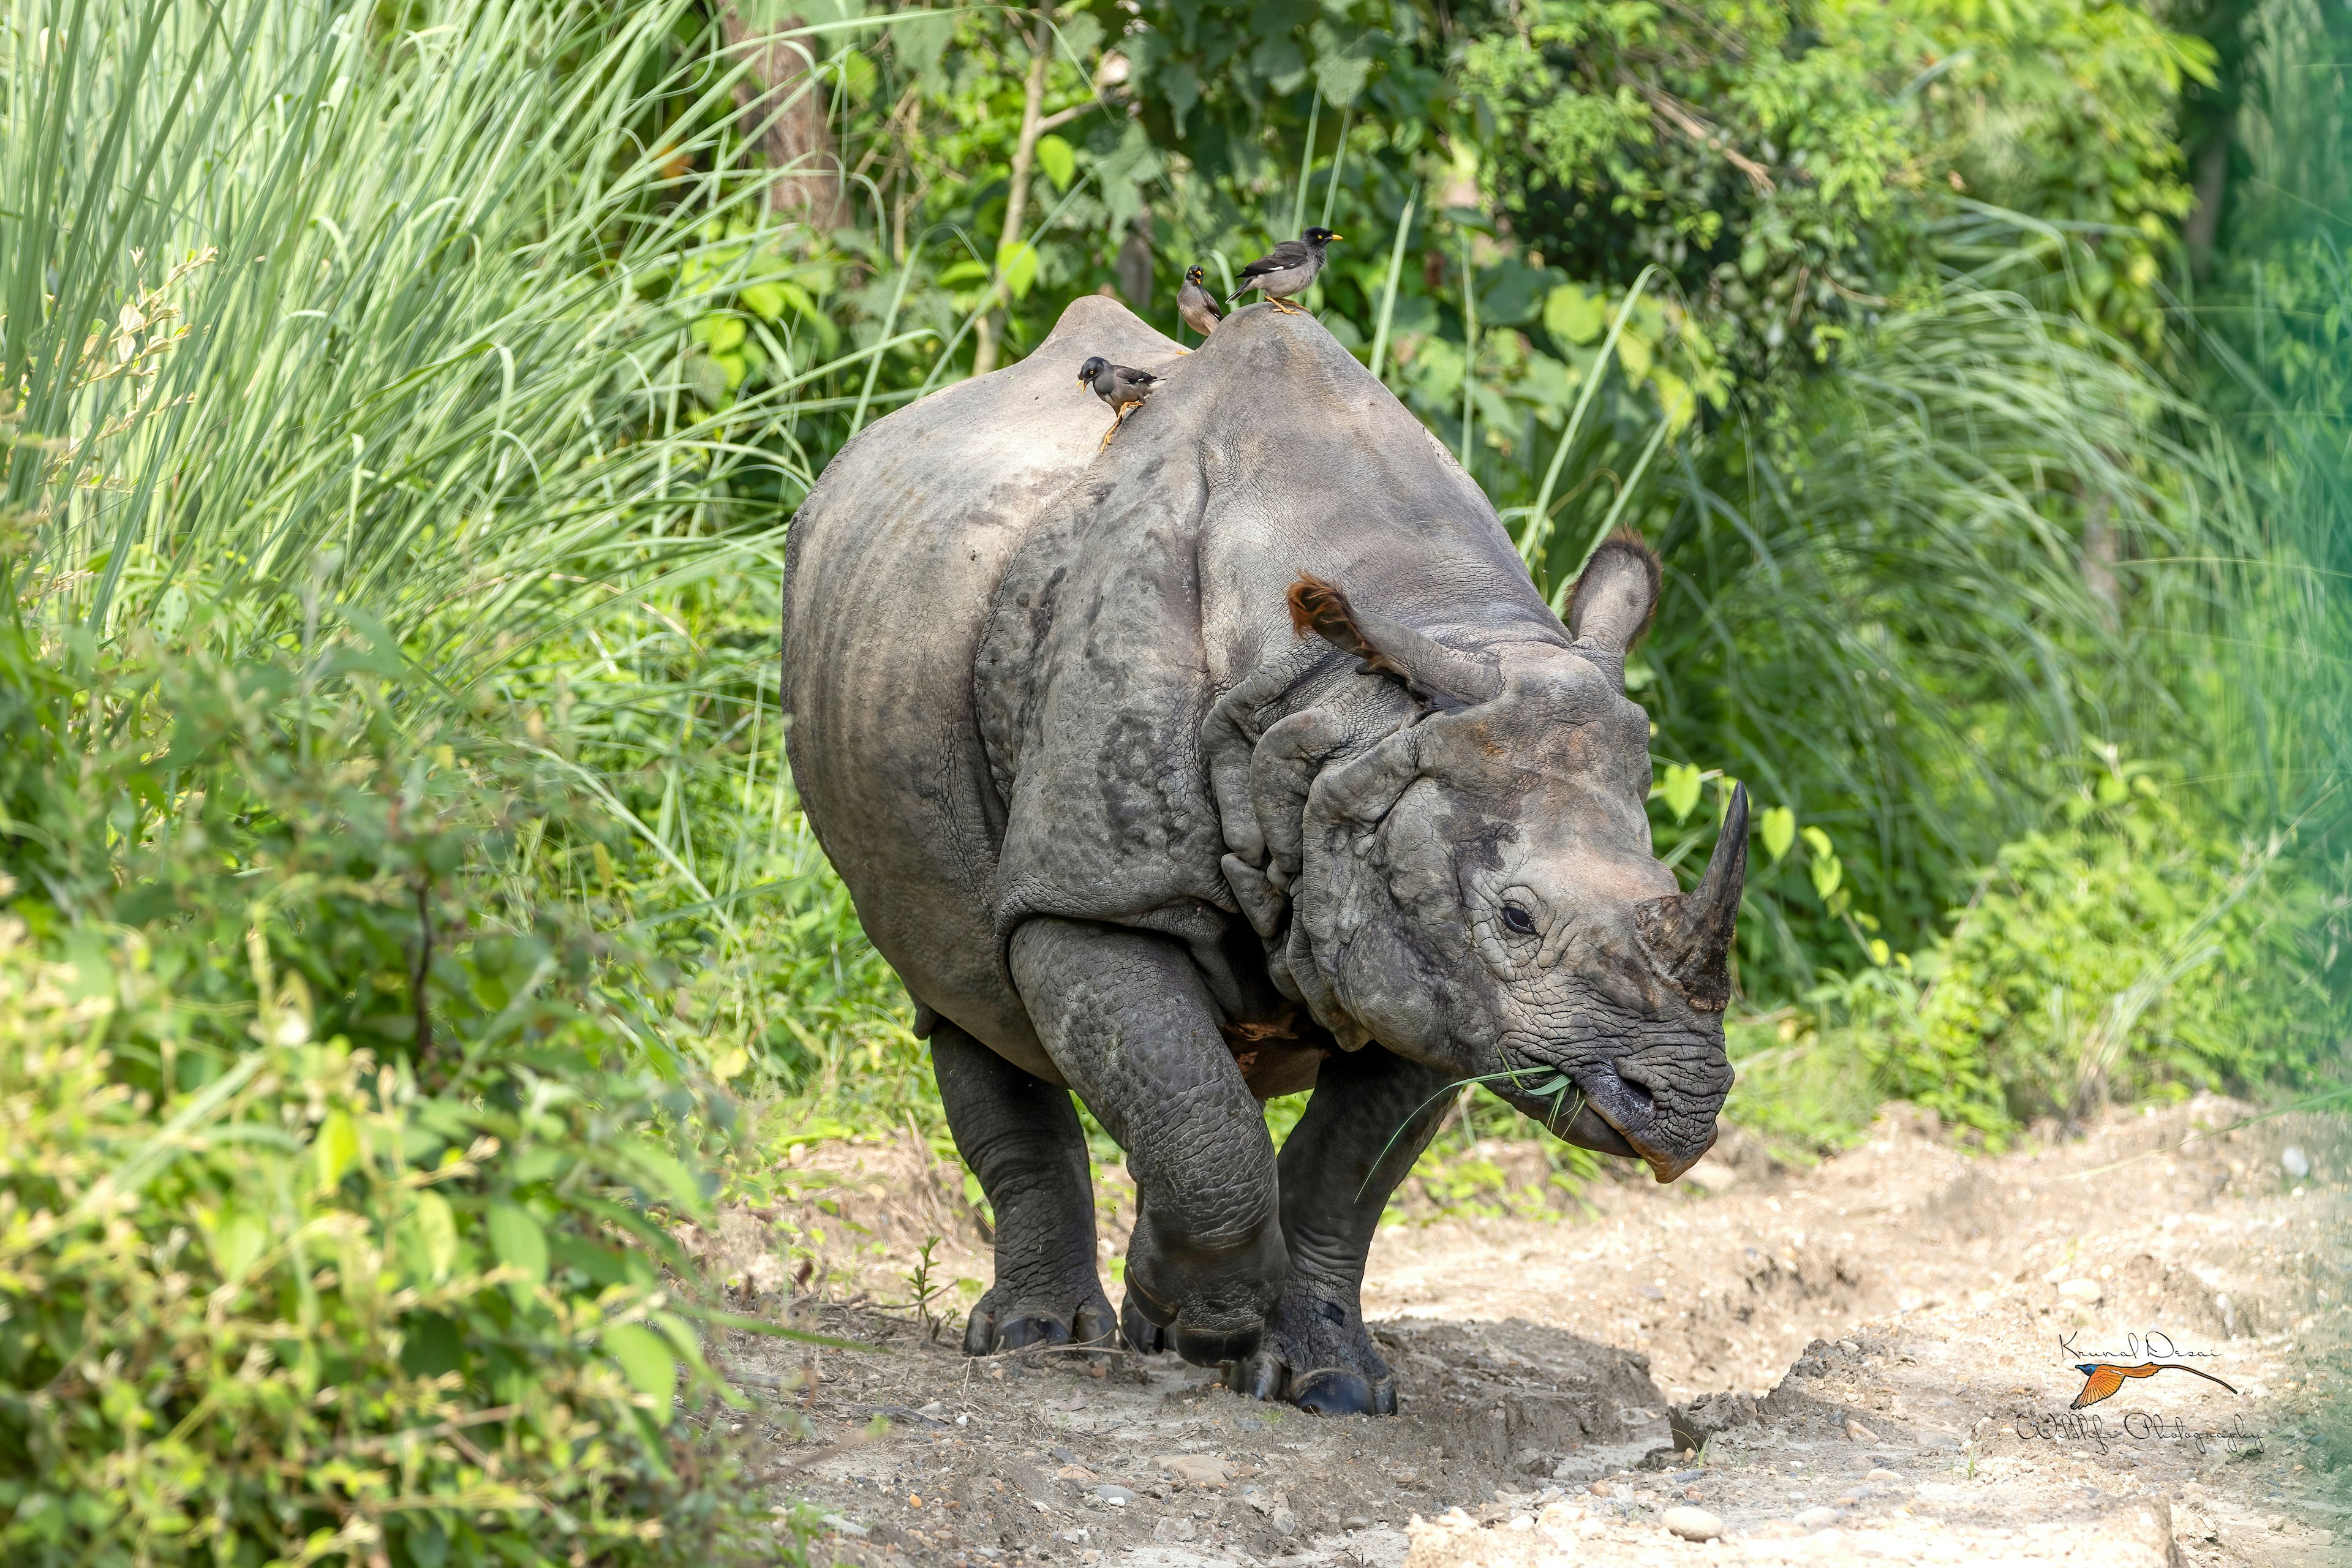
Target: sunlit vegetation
[{"x": 405, "y": 911}]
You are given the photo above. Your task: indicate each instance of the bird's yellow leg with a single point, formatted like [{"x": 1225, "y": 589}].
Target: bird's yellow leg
[
  {"x": 1117, "y": 420},
  {"x": 1286, "y": 308}
]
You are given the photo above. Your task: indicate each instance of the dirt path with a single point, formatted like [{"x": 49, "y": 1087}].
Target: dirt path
[{"x": 1870, "y": 1360}]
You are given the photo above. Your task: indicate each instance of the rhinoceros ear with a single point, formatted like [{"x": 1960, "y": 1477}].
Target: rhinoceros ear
[
  {"x": 1615, "y": 597},
  {"x": 1428, "y": 669}
]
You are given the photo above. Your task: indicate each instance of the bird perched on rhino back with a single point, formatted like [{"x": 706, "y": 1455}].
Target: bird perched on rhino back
[
  {"x": 1288, "y": 270},
  {"x": 1121, "y": 388},
  {"x": 1196, "y": 304}
]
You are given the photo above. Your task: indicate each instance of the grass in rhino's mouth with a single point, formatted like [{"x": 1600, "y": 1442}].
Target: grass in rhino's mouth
[{"x": 1546, "y": 1086}]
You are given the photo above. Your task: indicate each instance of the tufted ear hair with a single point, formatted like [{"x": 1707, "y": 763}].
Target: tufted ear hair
[
  {"x": 1615, "y": 596},
  {"x": 1428, "y": 669}
]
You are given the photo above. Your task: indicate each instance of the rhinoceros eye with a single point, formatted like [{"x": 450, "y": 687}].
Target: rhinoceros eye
[{"x": 1518, "y": 919}]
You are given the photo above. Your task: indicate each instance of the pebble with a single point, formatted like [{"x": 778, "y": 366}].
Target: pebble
[
  {"x": 1197, "y": 1470},
  {"x": 1693, "y": 1523},
  {"x": 1882, "y": 1476},
  {"x": 2292, "y": 1161},
  {"x": 1816, "y": 1518},
  {"x": 2085, "y": 1291}
]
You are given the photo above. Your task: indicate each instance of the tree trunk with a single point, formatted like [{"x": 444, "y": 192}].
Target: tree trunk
[
  {"x": 784, "y": 115},
  {"x": 1016, "y": 195}
]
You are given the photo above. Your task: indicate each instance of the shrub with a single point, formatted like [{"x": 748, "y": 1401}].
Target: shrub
[
  {"x": 330, "y": 1190},
  {"x": 2126, "y": 951}
]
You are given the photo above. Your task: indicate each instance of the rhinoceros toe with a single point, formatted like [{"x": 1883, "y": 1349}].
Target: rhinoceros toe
[{"x": 989, "y": 1333}]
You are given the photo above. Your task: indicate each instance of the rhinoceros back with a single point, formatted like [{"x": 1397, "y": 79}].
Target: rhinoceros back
[{"x": 893, "y": 563}]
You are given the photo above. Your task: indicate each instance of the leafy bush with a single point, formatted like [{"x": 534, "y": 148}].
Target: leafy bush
[
  {"x": 2126, "y": 951},
  {"x": 330, "y": 1193}
]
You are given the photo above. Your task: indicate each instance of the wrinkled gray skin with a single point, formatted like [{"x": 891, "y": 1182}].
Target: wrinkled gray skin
[{"x": 1122, "y": 829}]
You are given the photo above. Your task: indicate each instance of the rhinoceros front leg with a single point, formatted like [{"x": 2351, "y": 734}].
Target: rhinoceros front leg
[
  {"x": 1021, "y": 1139},
  {"x": 1317, "y": 1353},
  {"x": 1129, "y": 1021}
]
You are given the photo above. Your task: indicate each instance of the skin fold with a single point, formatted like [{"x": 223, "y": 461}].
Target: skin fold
[{"x": 1238, "y": 759}]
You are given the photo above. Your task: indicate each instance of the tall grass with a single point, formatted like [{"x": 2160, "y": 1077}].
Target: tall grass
[{"x": 325, "y": 325}]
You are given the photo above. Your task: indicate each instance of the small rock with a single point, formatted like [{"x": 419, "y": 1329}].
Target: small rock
[
  {"x": 2083, "y": 1292},
  {"x": 1651, "y": 1293},
  {"x": 2292, "y": 1161},
  {"x": 1172, "y": 1528},
  {"x": 1076, "y": 1473},
  {"x": 1882, "y": 1476},
  {"x": 841, "y": 1526},
  {"x": 1693, "y": 1523},
  {"x": 1815, "y": 1519},
  {"x": 1712, "y": 1176},
  {"x": 1116, "y": 1495},
  {"x": 1285, "y": 1522},
  {"x": 934, "y": 1410},
  {"x": 1858, "y": 1433},
  {"x": 1197, "y": 1470},
  {"x": 1358, "y": 1521},
  {"x": 1851, "y": 1349}
]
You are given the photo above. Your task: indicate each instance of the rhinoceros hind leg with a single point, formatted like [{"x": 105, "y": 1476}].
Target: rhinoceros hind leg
[
  {"x": 1021, "y": 1139},
  {"x": 1317, "y": 1353},
  {"x": 1128, "y": 1021}
]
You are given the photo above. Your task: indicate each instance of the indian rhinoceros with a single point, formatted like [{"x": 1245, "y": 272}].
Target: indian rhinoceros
[{"x": 1239, "y": 759}]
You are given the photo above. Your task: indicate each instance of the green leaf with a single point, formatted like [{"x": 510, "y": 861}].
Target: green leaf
[
  {"x": 1827, "y": 873},
  {"x": 1779, "y": 829},
  {"x": 336, "y": 1148},
  {"x": 1817, "y": 841},
  {"x": 720, "y": 332},
  {"x": 764, "y": 300},
  {"x": 1633, "y": 354},
  {"x": 237, "y": 1240},
  {"x": 435, "y": 1228},
  {"x": 1681, "y": 788},
  {"x": 1019, "y": 265},
  {"x": 644, "y": 1359},
  {"x": 518, "y": 1241},
  {"x": 1060, "y": 164},
  {"x": 1574, "y": 314},
  {"x": 670, "y": 1178}
]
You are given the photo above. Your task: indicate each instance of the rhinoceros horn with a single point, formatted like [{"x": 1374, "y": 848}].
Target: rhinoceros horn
[
  {"x": 1689, "y": 934},
  {"x": 1429, "y": 669}
]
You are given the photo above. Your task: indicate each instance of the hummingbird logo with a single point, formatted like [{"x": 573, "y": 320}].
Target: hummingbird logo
[{"x": 2101, "y": 1379}]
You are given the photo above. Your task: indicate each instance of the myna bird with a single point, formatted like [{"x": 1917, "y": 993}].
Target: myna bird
[
  {"x": 1288, "y": 270},
  {"x": 2100, "y": 1380},
  {"x": 1121, "y": 388},
  {"x": 1196, "y": 304}
]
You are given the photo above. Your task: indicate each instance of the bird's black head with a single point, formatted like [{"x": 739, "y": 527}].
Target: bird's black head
[
  {"x": 1195, "y": 273},
  {"x": 1322, "y": 236},
  {"x": 1091, "y": 369}
]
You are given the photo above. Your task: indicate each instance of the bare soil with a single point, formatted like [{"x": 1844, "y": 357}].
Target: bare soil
[{"x": 1869, "y": 1360}]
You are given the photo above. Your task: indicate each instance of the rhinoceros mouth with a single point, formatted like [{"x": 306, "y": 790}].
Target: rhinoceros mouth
[{"x": 1610, "y": 1114}]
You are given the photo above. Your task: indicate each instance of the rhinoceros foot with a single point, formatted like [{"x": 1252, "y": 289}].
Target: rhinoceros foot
[
  {"x": 996, "y": 1327},
  {"x": 1317, "y": 1354}
]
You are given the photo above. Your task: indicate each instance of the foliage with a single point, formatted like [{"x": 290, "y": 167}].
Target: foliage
[
  {"x": 329, "y": 1211},
  {"x": 2120, "y": 952}
]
